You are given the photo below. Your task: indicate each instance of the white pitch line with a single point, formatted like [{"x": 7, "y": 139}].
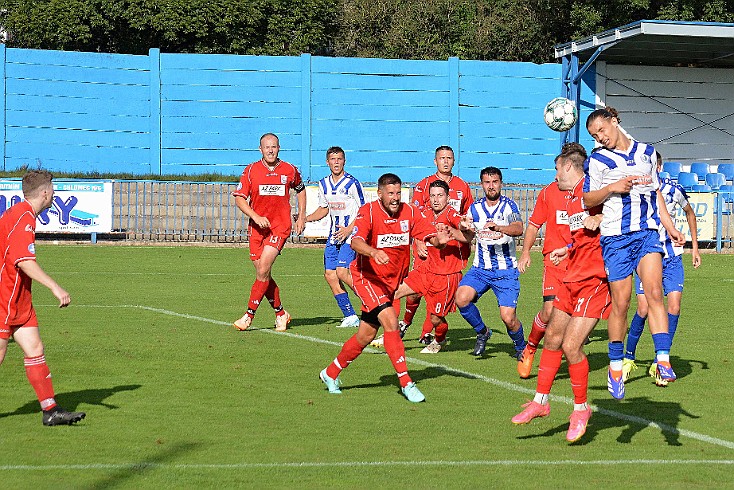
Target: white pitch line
[
  {"x": 358, "y": 464},
  {"x": 161, "y": 273},
  {"x": 502, "y": 384}
]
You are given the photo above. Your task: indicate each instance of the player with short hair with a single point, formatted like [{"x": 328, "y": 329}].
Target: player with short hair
[
  {"x": 263, "y": 194},
  {"x": 383, "y": 230},
  {"x": 460, "y": 198},
  {"x": 622, "y": 175},
  {"x": 19, "y": 270},
  {"x": 549, "y": 210},
  {"x": 437, "y": 277},
  {"x": 340, "y": 197},
  {"x": 582, "y": 298},
  {"x": 673, "y": 276},
  {"x": 496, "y": 222}
]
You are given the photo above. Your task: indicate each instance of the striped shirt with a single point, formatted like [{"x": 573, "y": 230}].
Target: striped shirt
[
  {"x": 494, "y": 250},
  {"x": 675, "y": 197},
  {"x": 343, "y": 199},
  {"x": 633, "y": 211}
]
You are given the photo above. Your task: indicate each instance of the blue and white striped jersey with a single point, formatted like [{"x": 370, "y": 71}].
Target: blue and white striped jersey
[
  {"x": 675, "y": 197},
  {"x": 343, "y": 199},
  {"x": 494, "y": 250},
  {"x": 636, "y": 210}
]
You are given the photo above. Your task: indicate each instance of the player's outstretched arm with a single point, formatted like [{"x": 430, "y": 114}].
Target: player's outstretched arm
[
  {"x": 691, "y": 219},
  {"x": 320, "y": 213},
  {"x": 34, "y": 271}
]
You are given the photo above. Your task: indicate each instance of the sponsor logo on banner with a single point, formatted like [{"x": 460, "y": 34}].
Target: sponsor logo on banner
[
  {"x": 392, "y": 240},
  {"x": 272, "y": 190},
  {"x": 404, "y": 225}
]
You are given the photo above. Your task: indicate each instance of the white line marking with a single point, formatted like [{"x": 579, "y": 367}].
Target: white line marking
[
  {"x": 357, "y": 464},
  {"x": 502, "y": 384},
  {"x": 160, "y": 273}
]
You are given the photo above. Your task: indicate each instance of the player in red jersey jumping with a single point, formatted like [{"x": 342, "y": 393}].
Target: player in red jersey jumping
[
  {"x": 19, "y": 270},
  {"x": 582, "y": 299},
  {"x": 460, "y": 198},
  {"x": 264, "y": 196},
  {"x": 382, "y": 233},
  {"x": 550, "y": 209}
]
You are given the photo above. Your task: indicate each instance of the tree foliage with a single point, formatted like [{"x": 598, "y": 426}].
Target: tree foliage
[{"x": 521, "y": 30}]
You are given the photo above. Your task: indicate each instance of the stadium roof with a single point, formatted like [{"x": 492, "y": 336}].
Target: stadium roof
[{"x": 658, "y": 42}]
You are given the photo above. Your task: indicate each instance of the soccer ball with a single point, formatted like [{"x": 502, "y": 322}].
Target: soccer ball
[{"x": 560, "y": 114}]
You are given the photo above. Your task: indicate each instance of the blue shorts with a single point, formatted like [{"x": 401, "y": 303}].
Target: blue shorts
[
  {"x": 622, "y": 253},
  {"x": 338, "y": 255},
  {"x": 672, "y": 276},
  {"x": 505, "y": 284}
]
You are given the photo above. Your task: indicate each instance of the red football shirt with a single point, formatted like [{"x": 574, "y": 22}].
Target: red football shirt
[
  {"x": 550, "y": 209},
  {"x": 392, "y": 234},
  {"x": 454, "y": 256},
  {"x": 460, "y": 194},
  {"x": 17, "y": 240},
  {"x": 585, "y": 260},
  {"x": 268, "y": 191}
]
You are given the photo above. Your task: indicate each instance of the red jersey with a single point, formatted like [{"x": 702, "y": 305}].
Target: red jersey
[
  {"x": 550, "y": 209},
  {"x": 460, "y": 194},
  {"x": 268, "y": 191},
  {"x": 454, "y": 256},
  {"x": 17, "y": 241},
  {"x": 392, "y": 234},
  {"x": 585, "y": 260}
]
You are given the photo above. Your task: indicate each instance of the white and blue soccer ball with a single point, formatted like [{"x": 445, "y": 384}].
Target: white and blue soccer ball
[{"x": 560, "y": 114}]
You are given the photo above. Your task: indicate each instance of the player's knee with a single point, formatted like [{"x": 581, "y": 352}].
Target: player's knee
[{"x": 343, "y": 274}]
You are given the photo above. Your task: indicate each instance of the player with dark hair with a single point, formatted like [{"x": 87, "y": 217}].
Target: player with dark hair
[
  {"x": 383, "y": 230},
  {"x": 622, "y": 175},
  {"x": 340, "y": 197},
  {"x": 264, "y": 196},
  {"x": 437, "y": 277},
  {"x": 550, "y": 210},
  {"x": 673, "y": 277},
  {"x": 496, "y": 222},
  {"x": 19, "y": 270},
  {"x": 582, "y": 298}
]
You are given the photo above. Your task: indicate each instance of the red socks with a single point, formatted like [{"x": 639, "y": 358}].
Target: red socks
[
  {"x": 272, "y": 293},
  {"x": 350, "y": 351},
  {"x": 579, "y": 374},
  {"x": 441, "y": 331},
  {"x": 411, "y": 306},
  {"x": 256, "y": 295},
  {"x": 40, "y": 378},
  {"x": 537, "y": 332},
  {"x": 396, "y": 352},
  {"x": 550, "y": 363}
]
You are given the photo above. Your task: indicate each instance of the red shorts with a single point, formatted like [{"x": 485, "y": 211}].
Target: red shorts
[
  {"x": 372, "y": 294},
  {"x": 259, "y": 238},
  {"x": 588, "y": 299},
  {"x": 438, "y": 289},
  {"x": 7, "y": 330},
  {"x": 552, "y": 279}
]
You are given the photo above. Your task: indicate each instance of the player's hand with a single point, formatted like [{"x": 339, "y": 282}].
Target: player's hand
[
  {"x": 341, "y": 234},
  {"x": 421, "y": 248},
  {"x": 490, "y": 225},
  {"x": 622, "y": 186},
  {"x": 557, "y": 255},
  {"x": 380, "y": 257},
  {"x": 678, "y": 238},
  {"x": 592, "y": 222},
  {"x": 261, "y": 221},
  {"x": 63, "y": 297},
  {"x": 466, "y": 223},
  {"x": 443, "y": 234},
  {"x": 300, "y": 225},
  {"x": 696, "y": 257},
  {"x": 524, "y": 263}
]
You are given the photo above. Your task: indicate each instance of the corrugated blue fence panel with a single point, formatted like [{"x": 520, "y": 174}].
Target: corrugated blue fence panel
[{"x": 182, "y": 113}]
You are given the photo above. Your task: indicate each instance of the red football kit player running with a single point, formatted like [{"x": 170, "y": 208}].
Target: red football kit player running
[
  {"x": 383, "y": 230},
  {"x": 19, "y": 270},
  {"x": 550, "y": 209},
  {"x": 267, "y": 184},
  {"x": 460, "y": 198},
  {"x": 437, "y": 278},
  {"x": 582, "y": 299}
]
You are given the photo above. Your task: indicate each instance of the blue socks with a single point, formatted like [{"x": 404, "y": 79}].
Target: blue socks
[
  {"x": 672, "y": 325},
  {"x": 345, "y": 305},
  {"x": 637, "y": 326},
  {"x": 662, "y": 343},
  {"x": 471, "y": 314},
  {"x": 518, "y": 338}
]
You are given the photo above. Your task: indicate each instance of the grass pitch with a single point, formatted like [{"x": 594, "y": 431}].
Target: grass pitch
[{"x": 176, "y": 397}]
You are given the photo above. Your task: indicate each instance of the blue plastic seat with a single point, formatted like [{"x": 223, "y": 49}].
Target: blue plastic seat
[
  {"x": 700, "y": 169},
  {"x": 673, "y": 168},
  {"x": 687, "y": 180},
  {"x": 700, "y": 188},
  {"x": 664, "y": 175},
  {"x": 715, "y": 180},
  {"x": 728, "y": 170}
]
